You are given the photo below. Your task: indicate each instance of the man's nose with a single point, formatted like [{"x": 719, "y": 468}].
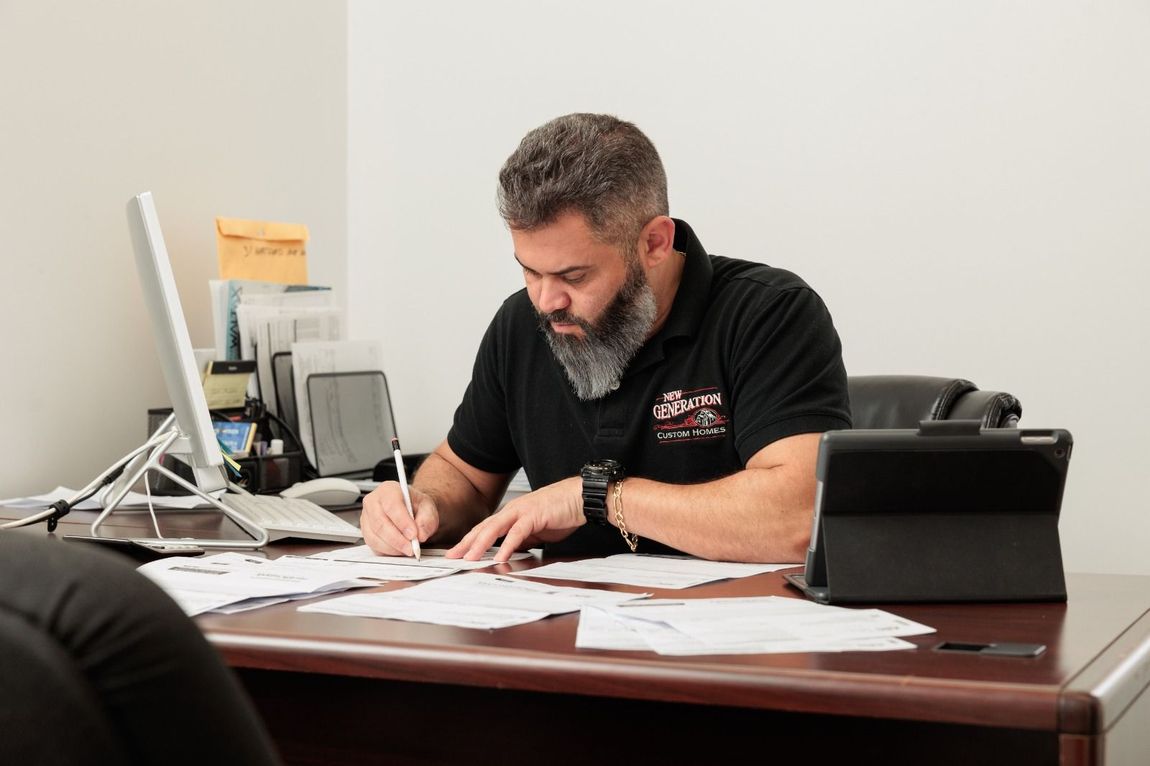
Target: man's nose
[{"x": 553, "y": 295}]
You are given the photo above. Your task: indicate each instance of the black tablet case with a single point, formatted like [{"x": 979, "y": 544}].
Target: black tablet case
[{"x": 944, "y": 513}]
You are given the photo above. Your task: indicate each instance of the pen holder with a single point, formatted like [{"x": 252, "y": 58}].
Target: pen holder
[
  {"x": 160, "y": 484},
  {"x": 272, "y": 473},
  {"x": 259, "y": 473}
]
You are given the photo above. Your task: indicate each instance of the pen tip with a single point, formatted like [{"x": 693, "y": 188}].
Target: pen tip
[{"x": 394, "y": 443}]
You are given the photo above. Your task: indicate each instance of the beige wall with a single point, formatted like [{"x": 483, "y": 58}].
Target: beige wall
[
  {"x": 219, "y": 108},
  {"x": 967, "y": 184}
]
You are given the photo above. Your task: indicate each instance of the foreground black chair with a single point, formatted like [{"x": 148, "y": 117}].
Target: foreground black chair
[
  {"x": 901, "y": 401},
  {"x": 98, "y": 666}
]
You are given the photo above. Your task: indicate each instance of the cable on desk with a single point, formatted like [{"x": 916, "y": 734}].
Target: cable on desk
[{"x": 61, "y": 508}]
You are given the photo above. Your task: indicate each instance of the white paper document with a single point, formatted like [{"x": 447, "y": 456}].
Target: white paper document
[
  {"x": 430, "y": 559},
  {"x": 229, "y": 294},
  {"x": 753, "y": 625},
  {"x": 269, "y": 330},
  {"x": 473, "y": 600},
  {"x": 646, "y": 571},
  {"x": 236, "y": 581},
  {"x": 382, "y": 568},
  {"x": 320, "y": 357}
]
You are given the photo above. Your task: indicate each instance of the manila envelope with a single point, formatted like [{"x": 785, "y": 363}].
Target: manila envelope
[{"x": 262, "y": 250}]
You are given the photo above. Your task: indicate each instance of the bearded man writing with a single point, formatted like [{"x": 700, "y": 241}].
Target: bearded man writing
[{"x": 657, "y": 397}]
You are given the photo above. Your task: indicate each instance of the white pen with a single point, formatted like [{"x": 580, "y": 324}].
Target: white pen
[{"x": 399, "y": 470}]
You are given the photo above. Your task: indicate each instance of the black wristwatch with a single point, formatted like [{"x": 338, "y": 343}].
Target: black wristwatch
[{"x": 597, "y": 475}]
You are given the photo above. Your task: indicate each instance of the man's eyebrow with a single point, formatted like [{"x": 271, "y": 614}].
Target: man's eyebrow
[{"x": 559, "y": 273}]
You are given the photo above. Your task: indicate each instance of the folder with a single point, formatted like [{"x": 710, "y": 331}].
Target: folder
[{"x": 262, "y": 250}]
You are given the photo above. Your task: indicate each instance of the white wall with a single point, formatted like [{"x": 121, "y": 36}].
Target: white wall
[
  {"x": 966, "y": 184},
  {"x": 219, "y": 108}
]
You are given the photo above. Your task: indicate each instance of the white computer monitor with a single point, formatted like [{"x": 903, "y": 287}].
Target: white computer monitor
[
  {"x": 188, "y": 434},
  {"x": 197, "y": 446}
]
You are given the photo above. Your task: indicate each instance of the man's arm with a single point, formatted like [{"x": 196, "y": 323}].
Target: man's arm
[
  {"x": 463, "y": 494},
  {"x": 761, "y": 513},
  {"x": 449, "y": 497}
]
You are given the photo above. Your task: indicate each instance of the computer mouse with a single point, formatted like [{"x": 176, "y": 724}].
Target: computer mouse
[{"x": 326, "y": 491}]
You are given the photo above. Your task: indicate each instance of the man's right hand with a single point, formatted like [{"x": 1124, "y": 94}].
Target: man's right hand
[{"x": 387, "y": 527}]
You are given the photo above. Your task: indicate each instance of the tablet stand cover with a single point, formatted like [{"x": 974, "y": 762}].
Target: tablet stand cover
[{"x": 945, "y": 513}]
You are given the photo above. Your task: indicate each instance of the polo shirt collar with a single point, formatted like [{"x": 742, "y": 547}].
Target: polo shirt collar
[{"x": 691, "y": 298}]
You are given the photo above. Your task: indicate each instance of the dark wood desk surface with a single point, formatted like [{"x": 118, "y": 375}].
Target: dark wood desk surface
[{"x": 1091, "y": 677}]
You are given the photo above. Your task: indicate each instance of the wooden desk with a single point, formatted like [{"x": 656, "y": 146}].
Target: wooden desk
[{"x": 347, "y": 690}]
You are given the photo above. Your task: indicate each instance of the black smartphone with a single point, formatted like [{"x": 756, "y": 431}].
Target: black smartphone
[
  {"x": 997, "y": 649},
  {"x": 139, "y": 551}
]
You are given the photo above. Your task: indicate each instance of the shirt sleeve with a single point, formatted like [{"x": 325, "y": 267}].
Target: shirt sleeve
[
  {"x": 480, "y": 433},
  {"x": 788, "y": 374}
]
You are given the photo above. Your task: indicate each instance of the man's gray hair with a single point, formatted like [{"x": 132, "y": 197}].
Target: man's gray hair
[{"x": 593, "y": 164}]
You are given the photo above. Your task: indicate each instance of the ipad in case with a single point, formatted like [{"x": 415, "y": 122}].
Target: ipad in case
[{"x": 945, "y": 513}]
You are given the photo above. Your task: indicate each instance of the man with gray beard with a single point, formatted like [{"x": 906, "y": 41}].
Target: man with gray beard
[
  {"x": 657, "y": 397},
  {"x": 596, "y": 361}
]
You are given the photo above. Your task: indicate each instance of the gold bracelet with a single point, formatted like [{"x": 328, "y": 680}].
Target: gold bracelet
[{"x": 632, "y": 539}]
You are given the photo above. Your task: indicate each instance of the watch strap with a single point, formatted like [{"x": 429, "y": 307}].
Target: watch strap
[{"x": 597, "y": 477}]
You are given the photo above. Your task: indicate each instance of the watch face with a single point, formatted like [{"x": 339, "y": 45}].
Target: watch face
[{"x": 610, "y": 468}]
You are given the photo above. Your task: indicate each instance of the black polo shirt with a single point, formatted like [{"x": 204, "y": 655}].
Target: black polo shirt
[{"x": 747, "y": 356}]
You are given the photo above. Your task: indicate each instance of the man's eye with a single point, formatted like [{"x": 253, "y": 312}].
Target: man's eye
[{"x": 574, "y": 279}]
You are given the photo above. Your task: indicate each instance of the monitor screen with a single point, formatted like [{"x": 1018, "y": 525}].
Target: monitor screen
[{"x": 197, "y": 447}]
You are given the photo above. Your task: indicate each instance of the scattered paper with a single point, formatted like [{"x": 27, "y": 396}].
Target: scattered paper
[
  {"x": 429, "y": 558},
  {"x": 648, "y": 571},
  {"x": 382, "y": 568},
  {"x": 474, "y": 600},
  {"x": 236, "y": 581},
  {"x": 753, "y": 625}
]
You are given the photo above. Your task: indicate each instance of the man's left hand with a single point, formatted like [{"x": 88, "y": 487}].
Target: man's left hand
[{"x": 546, "y": 515}]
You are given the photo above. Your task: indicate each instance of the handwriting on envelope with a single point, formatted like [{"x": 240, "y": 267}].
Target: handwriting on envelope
[{"x": 263, "y": 250}]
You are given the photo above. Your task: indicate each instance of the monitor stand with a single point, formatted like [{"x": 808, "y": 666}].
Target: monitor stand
[{"x": 169, "y": 440}]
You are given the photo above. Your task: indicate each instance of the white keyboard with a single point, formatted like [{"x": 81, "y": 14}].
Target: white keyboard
[{"x": 283, "y": 517}]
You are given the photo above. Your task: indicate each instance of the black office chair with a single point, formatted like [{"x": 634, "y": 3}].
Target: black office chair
[
  {"x": 98, "y": 666},
  {"x": 901, "y": 401}
]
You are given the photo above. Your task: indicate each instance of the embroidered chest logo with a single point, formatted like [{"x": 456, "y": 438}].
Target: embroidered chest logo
[{"x": 682, "y": 416}]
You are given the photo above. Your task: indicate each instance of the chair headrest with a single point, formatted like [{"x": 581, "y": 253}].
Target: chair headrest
[{"x": 902, "y": 401}]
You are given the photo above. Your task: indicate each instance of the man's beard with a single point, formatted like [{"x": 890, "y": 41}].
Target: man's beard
[{"x": 595, "y": 363}]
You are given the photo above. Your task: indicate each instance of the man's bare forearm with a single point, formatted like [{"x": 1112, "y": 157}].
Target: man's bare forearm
[
  {"x": 460, "y": 503},
  {"x": 744, "y": 517},
  {"x": 762, "y": 513}
]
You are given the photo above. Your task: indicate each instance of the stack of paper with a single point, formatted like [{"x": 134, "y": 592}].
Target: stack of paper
[
  {"x": 258, "y": 320},
  {"x": 758, "y": 625},
  {"x": 475, "y": 600},
  {"x": 229, "y": 294},
  {"x": 234, "y": 582}
]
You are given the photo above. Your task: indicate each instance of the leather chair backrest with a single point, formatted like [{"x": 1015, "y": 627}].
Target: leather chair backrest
[{"x": 901, "y": 401}]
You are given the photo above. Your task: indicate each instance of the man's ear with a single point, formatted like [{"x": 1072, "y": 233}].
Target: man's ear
[{"x": 657, "y": 241}]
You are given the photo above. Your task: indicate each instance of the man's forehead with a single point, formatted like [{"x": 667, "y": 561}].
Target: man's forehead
[{"x": 560, "y": 248}]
